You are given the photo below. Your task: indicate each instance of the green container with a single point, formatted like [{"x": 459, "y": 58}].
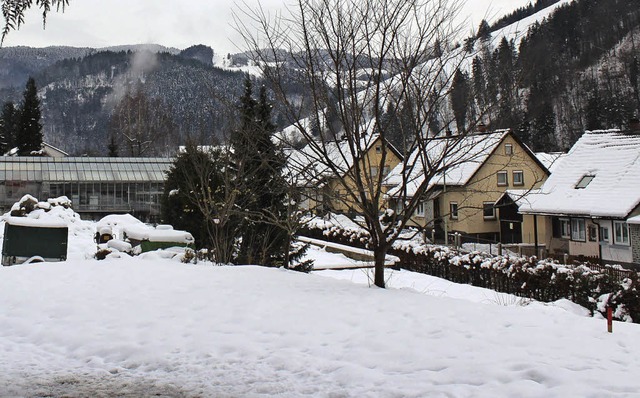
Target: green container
[
  {"x": 148, "y": 246},
  {"x": 22, "y": 242}
]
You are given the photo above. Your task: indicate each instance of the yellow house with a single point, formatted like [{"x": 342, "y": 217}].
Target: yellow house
[
  {"x": 470, "y": 179},
  {"x": 326, "y": 172}
]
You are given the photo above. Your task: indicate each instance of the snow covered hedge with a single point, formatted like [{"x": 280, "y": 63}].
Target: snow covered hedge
[{"x": 543, "y": 280}]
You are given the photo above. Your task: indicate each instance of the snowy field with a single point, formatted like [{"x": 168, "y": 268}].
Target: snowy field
[{"x": 156, "y": 327}]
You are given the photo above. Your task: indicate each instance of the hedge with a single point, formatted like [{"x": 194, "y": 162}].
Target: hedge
[{"x": 530, "y": 277}]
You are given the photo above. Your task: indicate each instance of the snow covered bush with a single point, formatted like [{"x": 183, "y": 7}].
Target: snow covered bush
[{"x": 528, "y": 277}]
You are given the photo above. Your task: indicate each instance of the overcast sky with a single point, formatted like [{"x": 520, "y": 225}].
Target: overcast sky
[{"x": 100, "y": 23}]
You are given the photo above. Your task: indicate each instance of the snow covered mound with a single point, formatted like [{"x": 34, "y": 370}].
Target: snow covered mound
[
  {"x": 136, "y": 327},
  {"x": 56, "y": 211}
]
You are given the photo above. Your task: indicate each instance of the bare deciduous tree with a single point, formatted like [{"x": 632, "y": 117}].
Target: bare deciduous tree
[
  {"x": 13, "y": 12},
  {"x": 358, "y": 59},
  {"x": 144, "y": 125}
]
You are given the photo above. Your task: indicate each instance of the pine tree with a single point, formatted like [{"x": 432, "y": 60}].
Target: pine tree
[
  {"x": 484, "y": 31},
  {"x": 113, "y": 147},
  {"x": 460, "y": 98},
  {"x": 264, "y": 190},
  {"x": 8, "y": 126},
  {"x": 29, "y": 133}
]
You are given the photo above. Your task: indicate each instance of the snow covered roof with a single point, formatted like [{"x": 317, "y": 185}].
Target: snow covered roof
[
  {"x": 311, "y": 162},
  {"x": 550, "y": 160},
  {"x": 459, "y": 158},
  {"x": 143, "y": 232},
  {"x": 634, "y": 220},
  {"x": 599, "y": 177},
  {"x": 35, "y": 222}
]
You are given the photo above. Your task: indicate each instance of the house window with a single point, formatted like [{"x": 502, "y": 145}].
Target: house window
[
  {"x": 565, "y": 228},
  {"x": 488, "y": 211},
  {"x": 503, "y": 178},
  {"x": 604, "y": 234},
  {"x": 420, "y": 209},
  {"x": 453, "y": 210},
  {"x": 593, "y": 233},
  {"x": 585, "y": 181},
  {"x": 378, "y": 149},
  {"x": 386, "y": 170},
  {"x": 518, "y": 177},
  {"x": 621, "y": 233},
  {"x": 508, "y": 149},
  {"x": 374, "y": 171},
  {"x": 578, "y": 229}
]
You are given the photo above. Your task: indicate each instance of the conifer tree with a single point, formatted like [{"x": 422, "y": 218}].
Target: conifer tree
[
  {"x": 8, "y": 126},
  {"x": 29, "y": 133},
  {"x": 264, "y": 190},
  {"x": 460, "y": 98},
  {"x": 484, "y": 31},
  {"x": 113, "y": 147}
]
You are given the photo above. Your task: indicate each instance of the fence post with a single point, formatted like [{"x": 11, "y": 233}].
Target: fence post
[
  {"x": 433, "y": 236},
  {"x": 499, "y": 249},
  {"x": 609, "y": 319},
  {"x": 566, "y": 258}
]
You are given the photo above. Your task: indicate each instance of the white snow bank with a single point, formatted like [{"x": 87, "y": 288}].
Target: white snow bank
[
  {"x": 143, "y": 232},
  {"x": 115, "y": 326}
]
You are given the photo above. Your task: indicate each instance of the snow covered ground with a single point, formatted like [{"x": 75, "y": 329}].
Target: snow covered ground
[{"x": 156, "y": 327}]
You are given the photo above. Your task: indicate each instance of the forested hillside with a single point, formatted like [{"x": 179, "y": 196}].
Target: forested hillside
[
  {"x": 548, "y": 78},
  {"x": 88, "y": 101},
  {"x": 575, "y": 70}
]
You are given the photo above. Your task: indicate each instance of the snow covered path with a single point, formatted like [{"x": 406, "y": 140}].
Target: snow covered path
[{"x": 157, "y": 327}]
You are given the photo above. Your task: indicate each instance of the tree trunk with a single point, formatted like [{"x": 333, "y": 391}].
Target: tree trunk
[{"x": 379, "y": 254}]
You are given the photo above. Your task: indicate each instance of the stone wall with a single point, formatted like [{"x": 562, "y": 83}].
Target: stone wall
[{"x": 634, "y": 231}]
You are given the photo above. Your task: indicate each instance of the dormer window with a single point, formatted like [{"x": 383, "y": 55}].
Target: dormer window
[{"x": 585, "y": 181}]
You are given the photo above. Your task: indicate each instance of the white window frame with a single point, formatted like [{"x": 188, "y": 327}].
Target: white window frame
[
  {"x": 604, "y": 234},
  {"x": 508, "y": 149},
  {"x": 578, "y": 230},
  {"x": 493, "y": 211},
  {"x": 505, "y": 174},
  {"x": 453, "y": 214},
  {"x": 623, "y": 228},
  {"x": 518, "y": 173},
  {"x": 565, "y": 228},
  {"x": 420, "y": 209}
]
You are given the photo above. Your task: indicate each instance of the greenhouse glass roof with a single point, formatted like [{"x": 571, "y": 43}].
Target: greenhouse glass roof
[{"x": 83, "y": 169}]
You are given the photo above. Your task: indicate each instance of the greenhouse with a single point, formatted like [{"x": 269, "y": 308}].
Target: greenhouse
[{"x": 95, "y": 185}]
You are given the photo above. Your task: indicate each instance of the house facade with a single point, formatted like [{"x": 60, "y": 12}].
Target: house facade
[
  {"x": 462, "y": 196},
  {"x": 588, "y": 208},
  {"x": 323, "y": 189}
]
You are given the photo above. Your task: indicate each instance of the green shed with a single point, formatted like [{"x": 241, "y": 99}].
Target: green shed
[{"x": 25, "y": 238}]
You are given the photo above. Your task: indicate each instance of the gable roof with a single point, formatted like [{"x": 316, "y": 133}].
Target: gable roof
[
  {"x": 463, "y": 158},
  {"x": 310, "y": 162},
  {"x": 612, "y": 157}
]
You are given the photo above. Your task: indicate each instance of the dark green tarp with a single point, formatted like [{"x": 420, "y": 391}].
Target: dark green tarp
[{"x": 23, "y": 242}]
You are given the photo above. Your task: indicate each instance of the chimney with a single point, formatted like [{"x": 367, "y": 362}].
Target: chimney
[
  {"x": 481, "y": 127},
  {"x": 634, "y": 125}
]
